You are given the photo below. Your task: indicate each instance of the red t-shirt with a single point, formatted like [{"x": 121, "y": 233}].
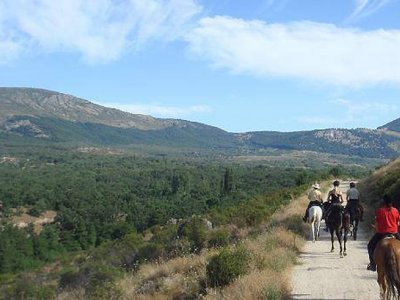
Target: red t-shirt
[{"x": 387, "y": 220}]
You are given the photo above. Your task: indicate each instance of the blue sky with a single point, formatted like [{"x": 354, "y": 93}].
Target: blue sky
[{"x": 283, "y": 65}]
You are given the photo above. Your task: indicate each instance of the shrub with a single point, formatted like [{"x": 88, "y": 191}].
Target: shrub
[
  {"x": 272, "y": 292},
  {"x": 97, "y": 280},
  {"x": 196, "y": 233},
  {"x": 226, "y": 266},
  {"x": 28, "y": 288},
  {"x": 102, "y": 286},
  {"x": 150, "y": 252},
  {"x": 72, "y": 279},
  {"x": 219, "y": 238},
  {"x": 296, "y": 225}
]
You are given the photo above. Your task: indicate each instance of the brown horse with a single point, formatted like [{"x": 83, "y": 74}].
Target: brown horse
[{"x": 387, "y": 259}]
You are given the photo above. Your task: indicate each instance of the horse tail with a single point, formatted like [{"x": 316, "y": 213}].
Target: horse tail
[{"x": 392, "y": 273}]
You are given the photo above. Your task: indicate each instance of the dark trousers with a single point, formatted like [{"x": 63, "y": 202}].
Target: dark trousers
[
  {"x": 374, "y": 241},
  {"x": 352, "y": 206}
]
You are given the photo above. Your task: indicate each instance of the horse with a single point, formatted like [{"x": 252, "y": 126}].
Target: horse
[
  {"x": 314, "y": 218},
  {"x": 387, "y": 259},
  {"x": 338, "y": 222}
]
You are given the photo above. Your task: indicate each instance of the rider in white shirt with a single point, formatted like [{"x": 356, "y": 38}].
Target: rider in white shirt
[{"x": 353, "y": 201}]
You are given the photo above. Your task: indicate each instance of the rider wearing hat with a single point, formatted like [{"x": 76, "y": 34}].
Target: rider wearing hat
[
  {"x": 387, "y": 220},
  {"x": 315, "y": 198}
]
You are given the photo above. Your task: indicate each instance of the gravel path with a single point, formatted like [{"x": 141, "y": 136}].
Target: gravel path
[{"x": 324, "y": 275}]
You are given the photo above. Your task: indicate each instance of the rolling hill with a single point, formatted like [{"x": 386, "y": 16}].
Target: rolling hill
[{"x": 29, "y": 115}]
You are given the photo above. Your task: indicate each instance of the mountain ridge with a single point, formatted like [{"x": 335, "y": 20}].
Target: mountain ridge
[{"x": 61, "y": 118}]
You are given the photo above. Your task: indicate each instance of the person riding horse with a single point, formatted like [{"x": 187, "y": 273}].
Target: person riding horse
[
  {"x": 387, "y": 220},
  {"x": 315, "y": 198},
  {"x": 334, "y": 198},
  {"x": 353, "y": 202}
]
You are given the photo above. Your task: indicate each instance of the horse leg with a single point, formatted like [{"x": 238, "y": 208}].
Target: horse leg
[
  {"x": 339, "y": 237},
  {"x": 317, "y": 226},
  {"x": 355, "y": 228},
  {"x": 313, "y": 231},
  {"x": 345, "y": 241},
  {"x": 331, "y": 231}
]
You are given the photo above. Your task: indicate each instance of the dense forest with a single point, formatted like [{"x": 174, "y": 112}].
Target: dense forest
[
  {"x": 99, "y": 198},
  {"x": 108, "y": 204}
]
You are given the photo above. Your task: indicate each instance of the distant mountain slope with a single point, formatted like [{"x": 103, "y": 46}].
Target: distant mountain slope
[
  {"x": 392, "y": 126},
  {"x": 358, "y": 142},
  {"x": 28, "y": 114},
  {"x": 57, "y": 117},
  {"x": 38, "y": 102}
]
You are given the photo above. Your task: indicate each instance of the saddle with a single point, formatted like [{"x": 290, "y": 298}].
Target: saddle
[{"x": 389, "y": 236}]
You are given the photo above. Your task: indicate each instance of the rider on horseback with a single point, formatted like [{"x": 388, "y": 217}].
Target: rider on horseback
[
  {"x": 353, "y": 202},
  {"x": 334, "y": 197},
  {"x": 315, "y": 198},
  {"x": 387, "y": 220}
]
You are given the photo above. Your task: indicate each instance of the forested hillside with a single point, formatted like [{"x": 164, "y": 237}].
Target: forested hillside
[
  {"x": 102, "y": 198},
  {"x": 36, "y": 116},
  {"x": 130, "y": 189},
  {"x": 385, "y": 180}
]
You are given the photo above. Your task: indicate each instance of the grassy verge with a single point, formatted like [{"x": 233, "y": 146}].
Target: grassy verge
[{"x": 266, "y": 254}]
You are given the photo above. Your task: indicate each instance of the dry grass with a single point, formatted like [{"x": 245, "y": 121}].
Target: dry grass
[
  {"x": 24, "y": 219},
  {"x": 173, "y": 279},
  {"x": 273, "y": 248},
  {"x": 252, "y": 286},
  {"x": 77, "y": 294}
]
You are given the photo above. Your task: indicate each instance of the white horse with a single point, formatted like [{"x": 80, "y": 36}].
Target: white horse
[{"x": 314, "y": 218}]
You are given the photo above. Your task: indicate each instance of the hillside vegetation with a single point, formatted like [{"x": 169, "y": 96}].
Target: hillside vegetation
[
  {"x": 385, "y": 180},
  {"x": 58, "y": 120},
  {"x": 117, "y": 212}
]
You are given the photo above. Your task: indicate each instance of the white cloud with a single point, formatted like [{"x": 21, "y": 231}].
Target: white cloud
[
  {"x": 100, "y": 30},
  {"x": 158, "y": 110},
  {"x": 307, "y": 50},
  {"x": 365, "y": 8}
]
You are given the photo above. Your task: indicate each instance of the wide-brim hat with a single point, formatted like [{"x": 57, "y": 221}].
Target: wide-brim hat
[{"x": 316, "y": 186}]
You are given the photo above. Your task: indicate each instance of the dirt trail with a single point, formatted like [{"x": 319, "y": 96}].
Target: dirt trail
[{"x": 324, "y": 275}]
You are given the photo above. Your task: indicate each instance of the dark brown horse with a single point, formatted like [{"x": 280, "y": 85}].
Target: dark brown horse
[
  {"x": 387, "y": 259},
  {"x": 338, "y": 222}
]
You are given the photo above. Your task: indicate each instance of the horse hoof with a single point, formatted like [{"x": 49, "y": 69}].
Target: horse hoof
[
  {"x": 332, "y": 250},
  {"x": 345, "y": 254}
]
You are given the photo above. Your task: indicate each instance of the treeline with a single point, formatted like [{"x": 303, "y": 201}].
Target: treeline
[{"x": 103, "y": 198}]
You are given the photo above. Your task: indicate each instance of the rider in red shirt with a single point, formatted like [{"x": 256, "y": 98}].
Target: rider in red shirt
[{"x": 387, "y": 222}]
